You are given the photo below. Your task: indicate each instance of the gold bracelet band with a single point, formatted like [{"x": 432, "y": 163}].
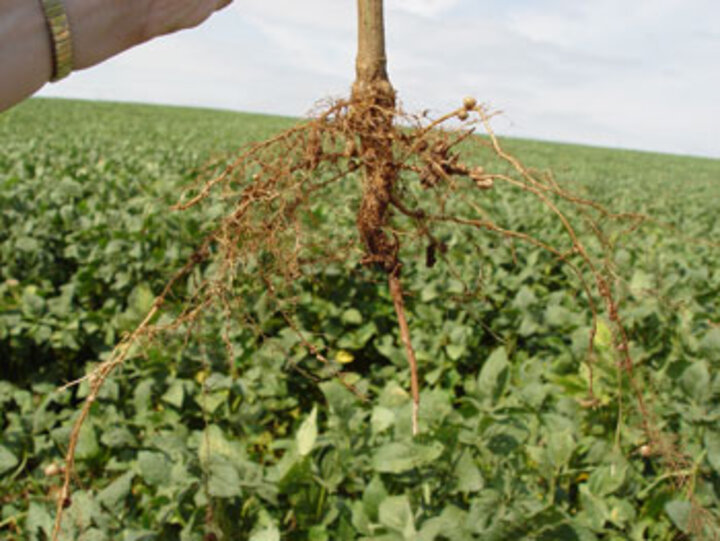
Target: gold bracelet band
[{"x": 60, "y": 38}]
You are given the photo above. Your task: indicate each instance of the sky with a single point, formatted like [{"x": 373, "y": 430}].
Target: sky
[{"x": 641, "y": 74}]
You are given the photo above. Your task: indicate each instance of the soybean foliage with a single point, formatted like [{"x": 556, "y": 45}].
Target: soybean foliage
[{"x": 283, "y": 445}]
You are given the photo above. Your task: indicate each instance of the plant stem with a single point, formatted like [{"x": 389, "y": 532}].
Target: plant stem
[
  {"x": 371, "y": 65},
  {"x": 373, "y": 115}
]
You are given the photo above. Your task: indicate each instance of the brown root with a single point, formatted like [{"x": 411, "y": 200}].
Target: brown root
[{"x": 397, "y": 296}]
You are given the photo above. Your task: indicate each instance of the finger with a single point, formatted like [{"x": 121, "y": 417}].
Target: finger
[{"x": 222, "y": 4}]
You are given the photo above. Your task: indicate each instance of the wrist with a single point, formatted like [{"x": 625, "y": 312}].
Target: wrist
[{"x": 25, "y": 51}]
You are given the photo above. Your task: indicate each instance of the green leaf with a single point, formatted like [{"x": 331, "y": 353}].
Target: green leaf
[
  {"x": 141, "y": 299},
  {"x": 84, "y": 510},
  {"x": 118, "y": 437},
  {"x": 641, "y": 282},
  {"x": 382, "y": 418},
  {"x": 595, "y": 511},
  {"x": 7, "y": 460},
  {"x": 38, "y": 520},
  {"x": 271, "y": 533},
  {"x": 318, "y": 533},
  {"x": 112, "y": 497},
  {"x": 606, "y": 480},
  {"x": 358, "y": 338},
  {"x": 223, "y": 478},
  {"x": 374, "y": 494},
  {"x": 680, "y": 513},
  {"x": 695, "y": 381},
  {"x": 524, "y": 299},
  {"x": 360, "y": 519},
  {"x": 435, "y": 406},
  {"x": 710, "y": 343},
  {"x": 560, "y": 447},
  {"x": 154, "y": 467},
  {"x": 33, "y": 305},
  {"x": 603, "y": 336},
  {"x": 142, "y": 395},
  {"x": 218, "y": 382},
  {"x": 622, "y": 512},
  {"x": 451, "y": 524},
  {"x": 559, "y": 316},
  {"x": 393, "y": 395},
  {"x": 429, "y": 292},
  {"x": 213, "y": 441},
  {"x": 467, "y": 474},
  {"x": 27, "y": 244},
  {"x": 87, "y": 446},
  {"x": 139, "y": 535},
  {"x": 352, "y": 317},
  {"x": 307, "y": 434},
  {"x": 712, "y": 445},
  {"x": 534, "y": 394},
  {"x": 455, "y": 351},
  {"x": 341, "y": 401},
  {"x": 401, "y": 457},
  {"x": 93, "y": 534},
  {"x": 175, "y": 395},
  {"x": 486, "y": 507},
  {"x": 396, "y": 514},
  {"x": 210, "y": 402},
  {"x": 493, "y": 375}
]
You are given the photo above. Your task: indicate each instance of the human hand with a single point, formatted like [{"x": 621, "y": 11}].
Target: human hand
[
  {"x": 100, "y": 29},
  {"x": 167, "y": 16},
  {"x": 104, "y": 28}
]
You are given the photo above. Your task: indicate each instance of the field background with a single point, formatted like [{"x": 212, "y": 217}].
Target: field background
[{"x": 507, "y": 449}]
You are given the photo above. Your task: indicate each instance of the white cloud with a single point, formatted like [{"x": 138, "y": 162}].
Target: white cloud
[
  {"x": 426, "y": 8},
  {"x": 315, "y": 15},
  {"x": 634, "y": 74}
]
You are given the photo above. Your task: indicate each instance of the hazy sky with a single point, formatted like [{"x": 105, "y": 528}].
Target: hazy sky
[{"x": 640, "y": 74}]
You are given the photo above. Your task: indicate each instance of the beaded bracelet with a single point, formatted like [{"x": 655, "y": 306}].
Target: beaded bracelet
[{"x": 60, "y": 38}]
